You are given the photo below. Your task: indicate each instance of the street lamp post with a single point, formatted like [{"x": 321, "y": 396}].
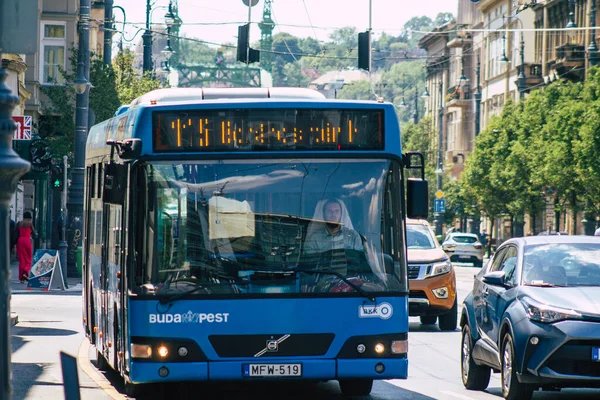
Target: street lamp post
[
  {"x": 147, "y": 40},
  {"x": 521, "y": 80},
  {"x": 416, "y": 113},
  {"x": 440, "y": 166},
  {"x": 593, "y": 48},
  {"x": 169, "y": 21},
  {"x": 478, "y": 98},
  {"x": 108, "y": 31},
  {"x": 75, "y": 200}
]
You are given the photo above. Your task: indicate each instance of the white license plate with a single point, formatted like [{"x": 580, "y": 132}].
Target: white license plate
[
  {"x": 464, "y": 257},
  {"x": 271, "y": 370},
  {"x": 595, "y": 354}
]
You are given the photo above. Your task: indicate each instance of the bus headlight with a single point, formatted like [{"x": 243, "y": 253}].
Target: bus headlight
[
  {"x": 379, "y": 348},
  {"x": 141, "y": 351},
  {"x": 163, "y": 351}
]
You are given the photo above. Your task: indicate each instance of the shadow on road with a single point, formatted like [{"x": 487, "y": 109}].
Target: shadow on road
[
  {"x": 24, "y": 376},
  {"x": 418, "y": 327},
  {"x": 40, "y": 331}
]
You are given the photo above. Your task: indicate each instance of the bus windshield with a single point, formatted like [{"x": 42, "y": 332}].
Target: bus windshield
[{"x": 236, "y": 227}]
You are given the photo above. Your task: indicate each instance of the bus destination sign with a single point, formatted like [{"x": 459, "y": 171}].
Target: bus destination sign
[{"x": 267, "y": 130}]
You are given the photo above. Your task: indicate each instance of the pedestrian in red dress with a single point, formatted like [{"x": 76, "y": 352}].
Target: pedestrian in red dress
[{"x": 24, "y": 246}]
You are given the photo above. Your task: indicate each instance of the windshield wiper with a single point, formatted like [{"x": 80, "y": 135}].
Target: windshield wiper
[
  {"x": 341, "y": 277},
  {"x": 544, "y": 284},
  {"x": 201, "y": 286}
]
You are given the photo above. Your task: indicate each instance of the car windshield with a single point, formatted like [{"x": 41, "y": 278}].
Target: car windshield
[
  {"x": 235, "y": 227},
  {"x": 464, "y": 239},
  {"x": 572, "y": 264},
  {"x": 419, "y": 237}
]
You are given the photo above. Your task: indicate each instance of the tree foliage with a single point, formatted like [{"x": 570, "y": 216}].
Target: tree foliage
[{"x": 544, "y": 148}]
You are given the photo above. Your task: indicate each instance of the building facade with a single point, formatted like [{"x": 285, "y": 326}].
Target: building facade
[{"x": 57, "y": 22}]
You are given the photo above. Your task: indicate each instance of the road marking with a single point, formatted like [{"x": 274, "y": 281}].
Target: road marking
[
  {"x": 457, "y": 395},
  {"x": 86, "y": 366}
]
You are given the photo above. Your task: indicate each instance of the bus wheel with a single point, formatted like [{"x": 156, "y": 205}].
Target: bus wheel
[
  {"x": 132, "y": 389},
  {"x": 356, "y": 387},
  {"x": 101, "y": 362}
]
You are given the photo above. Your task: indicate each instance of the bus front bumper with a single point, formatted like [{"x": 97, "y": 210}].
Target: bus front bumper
[{"x": 149, "y": 372}]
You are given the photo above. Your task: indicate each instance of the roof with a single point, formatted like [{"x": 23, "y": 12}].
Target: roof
[
  {"x": 535, "y": 240},
  {"x": 412, "y": 221}
]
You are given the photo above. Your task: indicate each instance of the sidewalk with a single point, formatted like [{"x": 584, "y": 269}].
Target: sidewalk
[{"x": 74, "y": 285}]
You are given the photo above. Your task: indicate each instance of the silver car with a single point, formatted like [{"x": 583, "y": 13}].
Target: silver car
[{"x": 464, "y": 247}]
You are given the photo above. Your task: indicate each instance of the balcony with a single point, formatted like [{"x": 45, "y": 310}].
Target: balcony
[
  {"x": 460, "y": 40},
  {"x": 458, "y": 96},
  {"x": 569, "y": 62}
]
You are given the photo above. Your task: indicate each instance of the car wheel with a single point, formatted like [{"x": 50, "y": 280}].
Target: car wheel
[
  {"x": 512, "y": 389},
  {"x": 448, "y": 321},
  {"x": 474, "y": 377},
  {"x": 428, "y": 319},
  {"x": 356, "y": 387}
]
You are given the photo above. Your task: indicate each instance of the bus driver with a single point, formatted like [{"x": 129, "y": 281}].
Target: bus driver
[{"x": 335, "y": 233}]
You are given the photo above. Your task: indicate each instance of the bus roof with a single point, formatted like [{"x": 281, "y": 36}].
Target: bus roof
[{"x": 194, "y": 94}]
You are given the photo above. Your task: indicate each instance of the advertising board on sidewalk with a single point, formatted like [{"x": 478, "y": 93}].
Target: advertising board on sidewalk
[{"x": 46, "y": 272}]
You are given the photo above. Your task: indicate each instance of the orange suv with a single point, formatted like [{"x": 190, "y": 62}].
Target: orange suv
[{"x": 432, "y": 280}]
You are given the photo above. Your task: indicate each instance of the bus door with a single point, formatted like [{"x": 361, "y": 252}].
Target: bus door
[{"x": 110, "y": 278}]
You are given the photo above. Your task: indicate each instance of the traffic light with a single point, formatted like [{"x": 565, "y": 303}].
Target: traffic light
[
  {"x": 57, "y": 178},
  {"x": 245, "y": 53},
  {"x": 364, "y": 50}
]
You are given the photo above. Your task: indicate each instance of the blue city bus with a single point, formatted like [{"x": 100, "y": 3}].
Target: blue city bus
[{"x": 249, "y": 234}]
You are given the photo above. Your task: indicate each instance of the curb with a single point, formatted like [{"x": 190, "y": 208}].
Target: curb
[{"x": 14, "y": 318}]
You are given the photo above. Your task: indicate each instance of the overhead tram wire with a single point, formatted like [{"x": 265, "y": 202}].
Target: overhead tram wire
[{"x": 312, "y": 27}]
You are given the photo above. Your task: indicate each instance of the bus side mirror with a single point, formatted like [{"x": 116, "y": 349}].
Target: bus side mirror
[
  {"x": 417, "y": 202},
  {"x": 114, "y": 183}
]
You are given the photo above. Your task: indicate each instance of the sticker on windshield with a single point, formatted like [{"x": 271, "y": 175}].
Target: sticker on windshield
[{"x": 383, "y": 311}]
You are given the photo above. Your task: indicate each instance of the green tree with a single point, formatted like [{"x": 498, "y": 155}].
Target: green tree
[{"x": 131, "y": 84}]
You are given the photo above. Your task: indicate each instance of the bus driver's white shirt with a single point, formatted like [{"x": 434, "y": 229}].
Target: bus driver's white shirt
[{"x": 321, "y": 240}]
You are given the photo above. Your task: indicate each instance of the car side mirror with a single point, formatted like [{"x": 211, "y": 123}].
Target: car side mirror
[{"x": 495, "y": 278}]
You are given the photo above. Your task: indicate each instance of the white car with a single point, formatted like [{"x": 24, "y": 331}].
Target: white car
[{"x": 464, "y": 247}]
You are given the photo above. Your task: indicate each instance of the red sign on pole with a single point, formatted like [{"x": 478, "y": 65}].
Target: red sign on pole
[{"x": 23, "y": 131}]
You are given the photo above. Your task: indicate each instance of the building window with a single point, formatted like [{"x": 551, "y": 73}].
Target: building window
[{"x": 53, "y": 57}]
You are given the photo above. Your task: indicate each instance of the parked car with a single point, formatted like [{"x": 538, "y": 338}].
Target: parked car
[
  {"x": 548, "y": 233},
  {"x": 464, "y": 247},
  {"x": 534, "y": 316},
  {"x": 432, "y": 280}
]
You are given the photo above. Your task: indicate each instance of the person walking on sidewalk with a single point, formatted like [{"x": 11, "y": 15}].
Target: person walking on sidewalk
[{"x": 24, "y": 246}]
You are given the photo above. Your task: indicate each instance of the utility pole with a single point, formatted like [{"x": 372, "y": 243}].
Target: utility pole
[
  {"x": 12, "y": 167},
  {"x": 147, "y": 41},
  {"x": 440, "y": 166},
  {"x": 75, "y": 200},
  {"x": 108, "y": 31},
  {"x": 478, "y": 98}
]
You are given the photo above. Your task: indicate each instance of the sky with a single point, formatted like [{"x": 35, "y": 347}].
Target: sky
[{"x": 216, "y": 21}]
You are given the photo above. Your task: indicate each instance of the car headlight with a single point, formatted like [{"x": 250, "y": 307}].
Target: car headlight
[
  {"x": 545, "y": 313},
  {"x": 440, "y": 268}
]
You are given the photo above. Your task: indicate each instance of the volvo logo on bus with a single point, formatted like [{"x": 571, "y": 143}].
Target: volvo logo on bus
[
  {"x": 383, "y": 311},
  {"x": 272, "y": 345}
]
